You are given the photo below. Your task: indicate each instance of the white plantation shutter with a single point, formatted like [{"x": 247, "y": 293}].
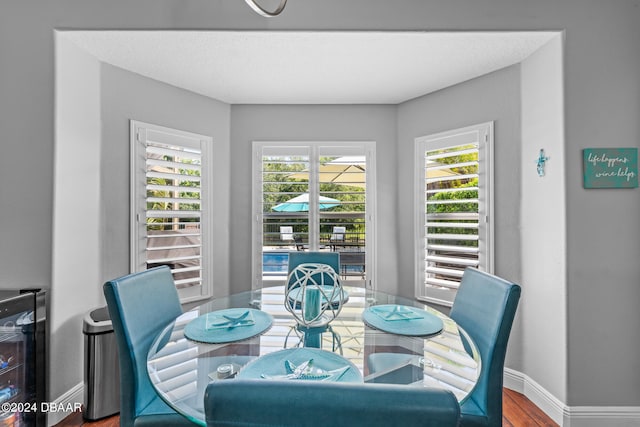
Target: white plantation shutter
[
  {"x": 276, "y": 165},
  {"x": 303, "y": 193},
  {"x": 453, "y": 216},
  {"x": 174, "y": 368},
  {"x": 169, "y": 194}
]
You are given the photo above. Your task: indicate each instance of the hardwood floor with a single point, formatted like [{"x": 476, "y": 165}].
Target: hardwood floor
[{"x": 518, "y": 411}]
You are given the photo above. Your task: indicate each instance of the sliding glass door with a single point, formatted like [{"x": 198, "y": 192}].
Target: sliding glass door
[{"x": 312, "y": 197}]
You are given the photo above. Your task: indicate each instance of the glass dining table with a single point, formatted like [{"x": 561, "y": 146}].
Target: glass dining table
[{"x": 182, "y": 361}]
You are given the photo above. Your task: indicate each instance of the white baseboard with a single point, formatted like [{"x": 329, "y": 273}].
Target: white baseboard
[
  {"x": 571, "y": 416},
  {"x": 540, "y": 397},
  {"x": 596, "y": 416},
  {"x": 513, "y": 380},
  {"x": 563, "y": 415},
  {"x": 72, "y": 398}
]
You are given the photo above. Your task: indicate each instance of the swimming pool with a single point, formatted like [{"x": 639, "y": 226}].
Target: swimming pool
[{"x": 277, "y": 263}]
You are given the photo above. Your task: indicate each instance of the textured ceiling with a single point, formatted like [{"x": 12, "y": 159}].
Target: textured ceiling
[{"x": 299, "y": 67}]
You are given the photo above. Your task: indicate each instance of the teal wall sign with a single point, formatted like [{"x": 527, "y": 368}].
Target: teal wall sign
[{"x": 610, "y": 167}]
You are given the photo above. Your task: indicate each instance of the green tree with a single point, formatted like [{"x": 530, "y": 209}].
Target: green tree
[
  {"x": 465, "y": 205},
  {"x": 185, "y": 183},
  {"x": 462, "y": 195}
]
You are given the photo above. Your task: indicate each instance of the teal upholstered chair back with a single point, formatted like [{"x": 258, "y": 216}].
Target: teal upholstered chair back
[
  {"x": 267, "y": 403},
  {"x": 330, "y": 258},
  {"x": 140, "y": 306},
  {"x": 485, "y": 306}
]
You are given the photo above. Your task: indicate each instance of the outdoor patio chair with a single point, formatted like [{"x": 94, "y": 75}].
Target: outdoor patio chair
[
  {"x": 299, "y": 243},
  {"x": 337, "y": 237},
  {"x": 353, "y": 264},
  {"x": 286, "y": 234}
]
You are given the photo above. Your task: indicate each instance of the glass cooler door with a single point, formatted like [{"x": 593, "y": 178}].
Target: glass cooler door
[{"x": 18, "y": 403}]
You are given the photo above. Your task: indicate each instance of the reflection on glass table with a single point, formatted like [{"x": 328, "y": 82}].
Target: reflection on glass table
[{"x": 180, "y": 368}]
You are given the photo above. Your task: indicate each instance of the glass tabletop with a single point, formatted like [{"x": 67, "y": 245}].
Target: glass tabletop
[{"x": 180, "y": 368}]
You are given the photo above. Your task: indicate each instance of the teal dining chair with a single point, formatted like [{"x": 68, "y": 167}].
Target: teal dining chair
[
  {"x": 330, "y": 258},
  {"x": 299, "y": 403},
  {"x": 485, "y": 306},
  {"x": 140, "y": 306}
]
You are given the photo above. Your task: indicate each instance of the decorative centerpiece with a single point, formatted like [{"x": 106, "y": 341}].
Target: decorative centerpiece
[{"x": 314, "y": 295}]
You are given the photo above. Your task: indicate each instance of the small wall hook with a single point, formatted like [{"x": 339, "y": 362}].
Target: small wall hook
[{"x": 542, "y": 160}]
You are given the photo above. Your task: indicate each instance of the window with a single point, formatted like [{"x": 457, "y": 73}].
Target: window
[
  {"x": 170, "y": 190},
  {"x": 453, "y": 215},
  {"x": 312, "y": 197}
]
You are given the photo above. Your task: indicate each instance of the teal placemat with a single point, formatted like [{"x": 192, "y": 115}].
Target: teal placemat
[
  {"x": 325, "y": 366},
  {"x": 402, "y": 320},
  {"x": 231, "y": 324}
]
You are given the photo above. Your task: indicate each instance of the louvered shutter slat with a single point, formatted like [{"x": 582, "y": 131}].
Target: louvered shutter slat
[
  {"x": 465, "y": 262},
  {"x": 452, "y": 206},
  {"x": 173, "y": 176},
  {"x": 170, "y": 188},
  {"x": 451, "y": 248},
  {"x": 173, "y": 213}
]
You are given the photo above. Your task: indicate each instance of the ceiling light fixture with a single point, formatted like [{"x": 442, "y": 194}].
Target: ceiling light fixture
[{"x": 262, "y": 11}]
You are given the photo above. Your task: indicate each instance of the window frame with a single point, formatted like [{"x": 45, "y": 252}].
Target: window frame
[
  {"x": 313, "y": 149},
  {"x": 483, "y": 134},
  {"x": 139, "y": 132}
]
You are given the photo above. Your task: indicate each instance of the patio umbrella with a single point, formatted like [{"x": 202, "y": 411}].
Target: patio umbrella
[
  {"x": 350, "y": 170},
  {"x": 346, "y": 170},
  {"x": 301, "y": 204}
]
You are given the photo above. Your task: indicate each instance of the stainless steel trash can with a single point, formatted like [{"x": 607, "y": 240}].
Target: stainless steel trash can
[{"x": 101, "y": 368}]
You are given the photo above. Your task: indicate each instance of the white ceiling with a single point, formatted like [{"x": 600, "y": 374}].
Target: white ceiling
[{"x": 301, "y": 67}]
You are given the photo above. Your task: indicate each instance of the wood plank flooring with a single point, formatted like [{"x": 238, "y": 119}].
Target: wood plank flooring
[{"x": 518, "y": 411}]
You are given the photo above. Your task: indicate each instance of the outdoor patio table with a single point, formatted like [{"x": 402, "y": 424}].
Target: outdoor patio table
[{"x": 180, "y": 368}]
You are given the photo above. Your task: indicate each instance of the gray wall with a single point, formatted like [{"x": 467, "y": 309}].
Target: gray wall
[
  {"x": 128, "y": 96},
  {"x": 76, "y": 210},
  {"x": 602, "y": 65},
  {"x": 526, "y": 104},
  {"x": 91, "y": 215},
  {"x": 313, "y": 123},
  {"x": 542, "y": 222},
  {"x": 493, "y": 97}
]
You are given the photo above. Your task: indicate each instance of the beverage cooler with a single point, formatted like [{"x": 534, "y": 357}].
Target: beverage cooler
[{"x": 23, "y": 361}]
